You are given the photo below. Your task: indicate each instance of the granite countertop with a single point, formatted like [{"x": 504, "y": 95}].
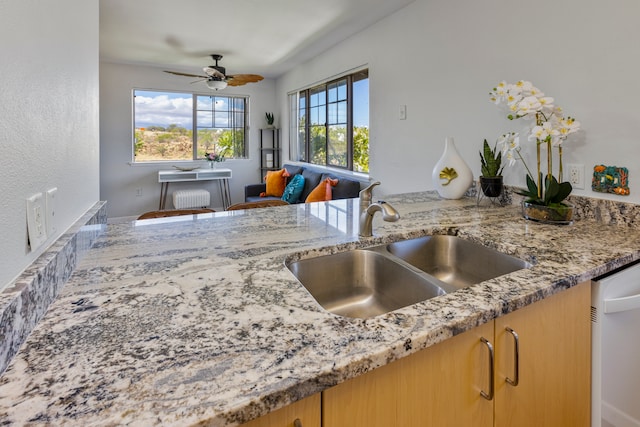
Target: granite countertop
[{"x": 178, "y": 321}]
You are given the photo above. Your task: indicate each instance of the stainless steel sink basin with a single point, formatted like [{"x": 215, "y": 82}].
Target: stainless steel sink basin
[
  {"x": 367, "y": 282},
  {"x": 362, "y": 283},
  {"x": 455, "y": 261}
]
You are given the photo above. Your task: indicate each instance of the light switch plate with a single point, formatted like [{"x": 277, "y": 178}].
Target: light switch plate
[
  {"x": 402, "y": 112},
  {"x": 50, "y": 219},
  {"x": 36, "y": 226}
]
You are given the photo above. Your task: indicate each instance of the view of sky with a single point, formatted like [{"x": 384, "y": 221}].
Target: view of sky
[
  {"x": 163, "y": 109},
  {"x": 361, "y": 106},
  {"x": 166, "y": 108}
]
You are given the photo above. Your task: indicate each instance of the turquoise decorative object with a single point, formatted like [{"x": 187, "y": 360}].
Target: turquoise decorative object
[
  {"x": 293, "y": 190},
  {"x": 610, "y": 179}
]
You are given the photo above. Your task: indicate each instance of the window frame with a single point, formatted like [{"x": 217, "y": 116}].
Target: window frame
[
  {"x": 195, "y": 128},
  {"x": 303, "y": 149}
]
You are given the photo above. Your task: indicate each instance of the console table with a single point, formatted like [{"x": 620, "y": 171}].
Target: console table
[{"x": 221, "y": 175}]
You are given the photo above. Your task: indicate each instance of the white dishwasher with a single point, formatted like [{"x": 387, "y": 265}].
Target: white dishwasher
[{"x": 615, "y": 331}]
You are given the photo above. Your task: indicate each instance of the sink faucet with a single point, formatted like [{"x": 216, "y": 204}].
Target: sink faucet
[
  {"x": 368, "y": 210},
  {"x": 366, "y": 195}
]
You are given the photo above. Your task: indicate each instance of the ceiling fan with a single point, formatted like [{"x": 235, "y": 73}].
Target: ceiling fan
[{"x": 216, "y": 77}]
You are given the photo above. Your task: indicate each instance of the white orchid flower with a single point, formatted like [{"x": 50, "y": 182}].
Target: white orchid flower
[
  {"x": 499, "y": 93},
  {"x": 569, "y": 126},
  {"x": 546, "y": 103},
  {"x": 543, "y": 132},
  {"x": 510, "y": 157},
  {"x": 528, "y": 106},
  {"x": 523, "y": 85},
  {"x": 509, "y": 143}
]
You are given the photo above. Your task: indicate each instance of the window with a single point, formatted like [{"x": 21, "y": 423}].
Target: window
[
  {"x": 332, "y": 123},
  {"x": 171, "y": 126}
]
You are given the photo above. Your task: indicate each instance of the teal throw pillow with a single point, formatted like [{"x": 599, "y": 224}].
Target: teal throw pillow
[{"x": 293, "y": 190}]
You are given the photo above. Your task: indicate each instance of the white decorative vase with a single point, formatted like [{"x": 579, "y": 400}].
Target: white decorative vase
[{"x": 451, "y": 176}]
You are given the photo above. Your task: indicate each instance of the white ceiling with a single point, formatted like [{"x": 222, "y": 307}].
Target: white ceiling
[{"x": 267, "y": 37}]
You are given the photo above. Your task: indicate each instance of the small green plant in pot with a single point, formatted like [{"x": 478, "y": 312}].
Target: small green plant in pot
[
  {"x": 491, "y": 167},
  {"x": 270, "y": 119}
]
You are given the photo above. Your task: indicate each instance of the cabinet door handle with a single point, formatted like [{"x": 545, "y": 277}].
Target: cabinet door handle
[
  {"x": 489, "y": 395},
  {"x": 297, "y": 423},
  {"x": 516, "y": 358}
]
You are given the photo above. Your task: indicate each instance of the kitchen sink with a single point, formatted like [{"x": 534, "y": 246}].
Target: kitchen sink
[
  {"x": 364, "y": 283},
  {"x": 455, "y": 261}
]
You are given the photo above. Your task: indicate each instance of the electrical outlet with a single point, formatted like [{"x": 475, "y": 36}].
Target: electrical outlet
[
  {"x": 51, "y": 211},
  {"x": 138, "y": 192},
  {"x": 36, "y": 226},
  {"x": 576, "y": 175}
]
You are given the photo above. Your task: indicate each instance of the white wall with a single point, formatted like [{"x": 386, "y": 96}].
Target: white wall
[
  {"x": 441, "y": 58},
  {"x": 48, "y": 117},
  {"x": 119, "y": 179}
]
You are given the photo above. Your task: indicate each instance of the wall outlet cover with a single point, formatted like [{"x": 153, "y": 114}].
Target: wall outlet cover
[
  {"x": 36, "y": 226},
  {"x": 51, "y": 211}
]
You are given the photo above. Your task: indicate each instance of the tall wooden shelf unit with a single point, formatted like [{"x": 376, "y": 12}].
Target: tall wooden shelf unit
[{"x": 269, "y": 147}]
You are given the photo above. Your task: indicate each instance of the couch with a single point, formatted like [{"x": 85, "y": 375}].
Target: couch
[{"x": 347, "y": 187}]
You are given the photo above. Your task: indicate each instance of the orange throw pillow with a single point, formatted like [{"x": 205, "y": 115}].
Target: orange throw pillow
[
  {"x": 276, "y": 182},
  {"x": 322, "y": 193}
]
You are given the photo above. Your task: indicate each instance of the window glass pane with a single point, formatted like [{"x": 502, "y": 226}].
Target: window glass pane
[
  {"x": 162, "y": 126},
  {"x": 317, "y": 145},
  {"x": 205, "y": 119},
  {"x": 220, "y": 103},
  {"x": 302, "y": 152},
  {"x": 361, "y": 122},
  {"x": 221, "y": 119},
  {"x": 317, "y": 96},
  {"x": 337, "y": 146},
  {"x": 341, "y": 112},
  {"x": 342, "y": 90},
  {"x": 333, "y": 92},
  {"x": 239, "y": 119},
  {"x": 333, "y": 114},
  {"x": 313, "y": 99},
  {"x": 204, "y": 103},
  {"x": 206, "y": 141}
]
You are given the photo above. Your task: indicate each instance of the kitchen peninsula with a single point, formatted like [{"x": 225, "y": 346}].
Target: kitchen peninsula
[{"x": 196, "y": 320}]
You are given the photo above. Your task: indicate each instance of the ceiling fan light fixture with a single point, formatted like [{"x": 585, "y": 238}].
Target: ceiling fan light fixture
[{"x": 216, "y": 84}]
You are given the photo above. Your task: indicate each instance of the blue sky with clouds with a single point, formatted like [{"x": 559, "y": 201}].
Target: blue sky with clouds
[{"x": 166, "y": 108}]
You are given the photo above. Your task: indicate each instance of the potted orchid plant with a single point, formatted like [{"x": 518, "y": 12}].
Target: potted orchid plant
[{"x": 545, "y": 194}]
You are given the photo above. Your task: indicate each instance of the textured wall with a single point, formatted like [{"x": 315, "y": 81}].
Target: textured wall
[{"x": 49, "y": 114}]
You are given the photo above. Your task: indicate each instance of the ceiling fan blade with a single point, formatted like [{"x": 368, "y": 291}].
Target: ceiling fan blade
[
  {"x": 212, "y": 72},
  {"x": 243, "y": 79},
  {"x": 186, "y": 74}
]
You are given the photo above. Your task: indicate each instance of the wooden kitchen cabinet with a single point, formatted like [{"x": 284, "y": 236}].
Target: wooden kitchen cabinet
[
  {"x": 306, "y": 411},
  {"x": 438, "y": 386},
  {"x": 554, "y": 387},
  {"x": 441, "y": 385}
]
